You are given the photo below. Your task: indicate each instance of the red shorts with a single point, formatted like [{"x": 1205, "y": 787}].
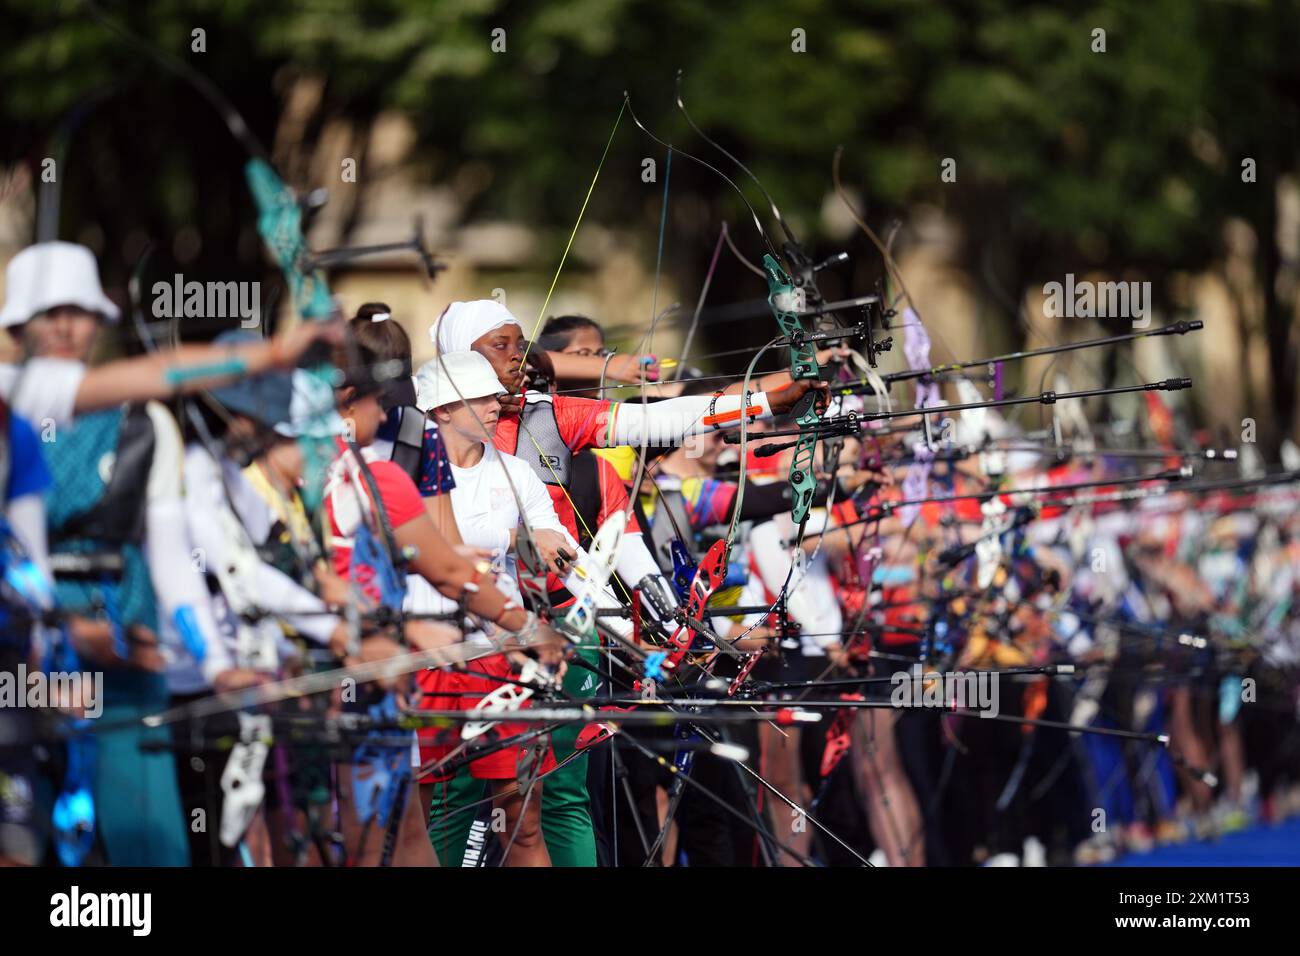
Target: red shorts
[{"x": 457, "y": 690}]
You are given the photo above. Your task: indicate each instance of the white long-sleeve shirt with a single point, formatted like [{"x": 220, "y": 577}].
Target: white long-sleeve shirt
[
  {"x": 176, "y": 580},
  {"x": 205, "y": 501},
  {"x": 635, "y": 560},
  {"x": 486, "y": 508},
  {"x": 487, "y": 511}
]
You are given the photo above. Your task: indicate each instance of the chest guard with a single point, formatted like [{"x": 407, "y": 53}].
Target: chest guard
[
  {"x": 408, "y": 444},
  {"x": 539, "y": 443}
]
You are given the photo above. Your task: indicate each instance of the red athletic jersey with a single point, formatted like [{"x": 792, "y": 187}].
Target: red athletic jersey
[
  {"x": 583, "y": 423},
  {"x": 402, "y": 502}
]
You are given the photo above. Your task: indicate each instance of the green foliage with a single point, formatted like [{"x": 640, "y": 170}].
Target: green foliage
[{"x": 1055, "y": 144}]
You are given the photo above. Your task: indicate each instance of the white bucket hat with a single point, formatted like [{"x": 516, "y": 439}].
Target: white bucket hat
[
  {"x": 453, "y": 376},
  {"x": 49, "y": 274}
]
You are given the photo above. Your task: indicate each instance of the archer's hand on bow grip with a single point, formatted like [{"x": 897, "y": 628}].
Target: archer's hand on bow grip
[{"x": 799, "y": 397}]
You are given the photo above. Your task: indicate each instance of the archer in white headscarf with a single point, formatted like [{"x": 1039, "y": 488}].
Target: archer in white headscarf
[
  {"x": 546, "y": 431},
  {"x": 462, "y": 323}
]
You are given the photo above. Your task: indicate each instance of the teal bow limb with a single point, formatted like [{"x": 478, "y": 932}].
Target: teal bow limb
[{"x": 279, "y": 223}]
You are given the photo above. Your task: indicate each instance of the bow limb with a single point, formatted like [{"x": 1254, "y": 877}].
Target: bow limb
[
  {"x": 786, "y": 298},
  {"x": 599, "y": 573},
  {"x": 279, "y": 213},
  {"x": 916, "y": 340},
  {"x": 648, "y": 340},
  {"x": 784, "y": 302},
  {"x": 776, "y": 212},
  {"x": 758, "y": 225},
  {"x": 541, "y": 313},
  {"x": 699, "y": 305},
  {"x": 279, "y": 223}
]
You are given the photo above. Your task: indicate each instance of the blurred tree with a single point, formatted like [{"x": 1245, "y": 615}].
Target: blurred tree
[{"x": 1068, "y": 158}]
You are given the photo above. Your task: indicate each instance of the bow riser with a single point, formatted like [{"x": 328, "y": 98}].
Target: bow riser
[{"x": 782, "y": 297}]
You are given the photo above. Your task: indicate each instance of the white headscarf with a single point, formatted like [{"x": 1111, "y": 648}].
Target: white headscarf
[{"x": 463, "y": 322}]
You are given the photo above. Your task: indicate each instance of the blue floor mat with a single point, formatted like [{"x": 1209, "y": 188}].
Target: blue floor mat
[{"x": 1259, "y": 846}]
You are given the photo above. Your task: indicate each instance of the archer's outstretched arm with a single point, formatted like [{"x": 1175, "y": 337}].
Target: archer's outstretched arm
[
  {"x": 628, "y": 423},
  {"x": 439, "y": 564},
  {"x": 594, "y": 368},
  {"x": 188, "y": 368}
]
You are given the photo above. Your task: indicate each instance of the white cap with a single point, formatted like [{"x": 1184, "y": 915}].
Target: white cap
[
  {"x": 453, "y": 376},
  {"x": 49, "y": 274}
]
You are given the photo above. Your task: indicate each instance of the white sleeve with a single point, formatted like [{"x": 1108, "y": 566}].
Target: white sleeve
[
  {"x": 217, "y": 659},
  {"x": 176, "y": 580},
  {"x": 167, "y": 552},
  {"x": 42, "y": 389},
  {"x": 635, "y": 560},
  {"x": 204, "y": 537},
  {"x": 26, "y": 516},
  {"x": 664, "y": 422},
  {"x": 276, "y": 591}
]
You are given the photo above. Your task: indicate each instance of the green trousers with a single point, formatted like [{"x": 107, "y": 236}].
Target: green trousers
[{"x": 566, "y": 806}]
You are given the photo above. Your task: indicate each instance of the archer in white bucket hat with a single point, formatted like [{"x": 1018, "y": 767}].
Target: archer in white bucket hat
[
  {"x": 452, "y": 377},
  {"x": 51, "y": 274},
  {"x": 53, "y": 380}
]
